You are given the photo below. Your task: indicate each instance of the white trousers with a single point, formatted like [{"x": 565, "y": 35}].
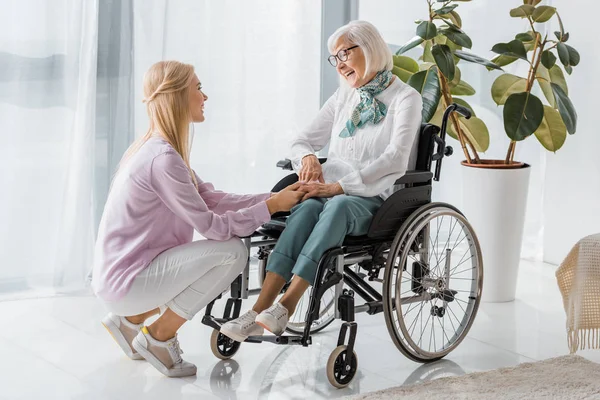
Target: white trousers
[{"x": 185, "y": 278}]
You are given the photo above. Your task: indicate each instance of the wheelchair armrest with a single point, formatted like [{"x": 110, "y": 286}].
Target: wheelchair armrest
[
  {"x": 415, "y": 177},
  {"x": 287, "y": 163}
]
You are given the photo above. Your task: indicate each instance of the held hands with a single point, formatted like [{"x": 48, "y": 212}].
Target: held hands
[
  {"x": 311, "y": 170},
  {"x": 318, "y": 189},
  {"x": 293, "y": 194},
  {"x": 286, "y": 199}
]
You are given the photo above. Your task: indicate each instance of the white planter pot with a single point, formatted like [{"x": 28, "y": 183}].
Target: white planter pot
[{"x": 494, "y": 202}]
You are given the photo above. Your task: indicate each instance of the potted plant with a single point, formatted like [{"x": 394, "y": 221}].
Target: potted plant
[
  {"x": 438, "y": 77},
  {"x": 495, "y": 191}
]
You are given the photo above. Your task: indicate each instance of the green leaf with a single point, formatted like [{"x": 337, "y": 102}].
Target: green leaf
[
  {"x": 505, "y": 85},
  {"x": 574, "y": 56},
  {"x": 414, "y": 42},
  {"x": 457, "y": 78},
  {"x": 569, "y": 69},
  {"x": 427, "y": 56},
  {"x": 548, "y": 59},
  {"x": 561, "y": 37},
  {"x": 425, "y": 66},
  {"x": 563, "y": 54},
  {"x": 522, "y": 11},
  {"x": 532, "y": 2},
  {"x": 524, "y": 37},
  {"x": 557, "y": 76},
  {"x": 404, "y": 67},
  {"x": 514, "y": 48},
  {"x": 523, "y": 114},
  {"x": 543, "y": 77},
  {"x": 462, "y": 89},
  {"x": 502, "y": 61},
  {"x": 455, "y": 18},
  {"x": 460, "y": 38},
  {"x": 477, "y": 132},
  {"x": 428, "y": 84},
  {"x": 443, "y": 58},
  {"x": 427, "y": 30},
  {"x": 470, "y": 57},
  {"x": 543, "y": 13},
  {"x": 565, "y": 108},
  {"x": 446, "y": 10},
  {"x": 552, "y": 132}
]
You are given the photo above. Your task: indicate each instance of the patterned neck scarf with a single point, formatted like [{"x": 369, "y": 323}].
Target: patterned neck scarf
[{"x": 369, "y": 108}]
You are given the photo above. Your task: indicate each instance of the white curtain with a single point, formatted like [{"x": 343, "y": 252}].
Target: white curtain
[
  {"x": 571, "y": 205},
  {"x": 487, "y": 23},
  {"x": 70, "y": 102},
  {"x": 47, "y": 111}
]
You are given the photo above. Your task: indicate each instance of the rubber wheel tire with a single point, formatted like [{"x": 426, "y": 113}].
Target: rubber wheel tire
[
  {"x": 338, "y": 378},
  {"x": 223, "y": 347}
]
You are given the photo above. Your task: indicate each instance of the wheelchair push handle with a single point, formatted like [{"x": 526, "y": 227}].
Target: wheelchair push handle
[
  {"x": 462, "y": 110},
  {"x": 440, "y": 140}
]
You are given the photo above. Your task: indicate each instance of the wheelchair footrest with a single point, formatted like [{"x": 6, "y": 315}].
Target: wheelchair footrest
[
  {"x": 285, "y": 340},
  {"x": 213, "y": 322}
]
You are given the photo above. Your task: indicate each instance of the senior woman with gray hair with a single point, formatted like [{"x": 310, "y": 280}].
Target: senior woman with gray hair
[{"x": 371, "y": 123}]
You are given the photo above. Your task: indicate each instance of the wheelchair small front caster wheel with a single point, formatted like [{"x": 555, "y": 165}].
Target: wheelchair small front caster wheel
[
  {"x": 223, "y": 347},
  {"x": 339, "y": 374}
]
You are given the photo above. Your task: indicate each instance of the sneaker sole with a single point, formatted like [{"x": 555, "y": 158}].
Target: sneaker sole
[
  {"x": 238, "y": 337},
  {"x": 265, "y": 325},
  {"x": 118, "y": 337},
  {"x": 156, "y": 363},
  {"x": 233, "y": 335}
]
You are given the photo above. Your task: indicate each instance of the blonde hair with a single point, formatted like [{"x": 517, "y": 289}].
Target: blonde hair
[
  {"x": 166, "y": 96},
  {"x": 378, "y": 55}
]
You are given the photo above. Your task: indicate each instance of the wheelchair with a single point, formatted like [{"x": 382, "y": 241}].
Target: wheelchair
[{"x": 420, "y": 264}]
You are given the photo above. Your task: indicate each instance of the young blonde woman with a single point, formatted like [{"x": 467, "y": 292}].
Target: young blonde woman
[{"x": 145, "y": 259}]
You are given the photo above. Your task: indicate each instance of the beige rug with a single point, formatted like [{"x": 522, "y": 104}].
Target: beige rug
[{"x": 567, "y": 377}]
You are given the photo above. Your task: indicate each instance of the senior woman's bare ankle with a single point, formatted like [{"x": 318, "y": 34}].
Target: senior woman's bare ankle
[
  {"x": 271, "y": 288},
  {"x": 294, "y": 293}
]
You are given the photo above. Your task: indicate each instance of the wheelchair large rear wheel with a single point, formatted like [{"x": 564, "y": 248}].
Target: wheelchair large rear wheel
[{"x": 432, "y": 282}]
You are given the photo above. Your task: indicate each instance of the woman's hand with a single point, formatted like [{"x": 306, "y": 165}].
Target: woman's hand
[
  {"x": 286, "y": 199},
  {"x": 311, "y": 170},
  {"x": 321, "y": 190}
]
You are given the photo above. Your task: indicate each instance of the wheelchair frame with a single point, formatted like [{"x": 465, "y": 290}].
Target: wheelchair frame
[{"x": 334, "y": 267}]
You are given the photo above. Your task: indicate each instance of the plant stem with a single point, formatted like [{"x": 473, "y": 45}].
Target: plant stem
[
  {"x": 430, "y": 10},
  {"x": 538, "y": 49}
]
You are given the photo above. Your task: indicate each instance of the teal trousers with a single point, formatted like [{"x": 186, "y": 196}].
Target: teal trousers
[{"x": 315, "y": 226}]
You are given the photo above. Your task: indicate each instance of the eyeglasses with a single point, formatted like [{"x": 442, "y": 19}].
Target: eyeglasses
[{"x": 342, "y": 55}]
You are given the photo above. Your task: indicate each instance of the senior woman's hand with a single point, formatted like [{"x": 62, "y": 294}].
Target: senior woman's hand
[
  {"x": 317, "y": 189},
  {"x": 311, "y": 170}
]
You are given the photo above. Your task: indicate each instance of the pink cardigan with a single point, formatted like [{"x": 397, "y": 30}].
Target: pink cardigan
[{"x": 153, "y": 206}]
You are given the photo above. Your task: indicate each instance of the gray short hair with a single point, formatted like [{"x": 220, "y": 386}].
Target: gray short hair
[{"x": 378, "y": 55}]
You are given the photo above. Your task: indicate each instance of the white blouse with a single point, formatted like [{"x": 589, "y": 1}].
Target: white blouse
[{"x": 368, "y": 163}]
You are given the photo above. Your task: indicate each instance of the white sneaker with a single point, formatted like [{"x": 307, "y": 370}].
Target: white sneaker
[
  {"x": 123, "y": 333},
  {"x": 164, "y": 356},
  {"x": 240, "y": 328},
  {"x": 274, "y": 319}
]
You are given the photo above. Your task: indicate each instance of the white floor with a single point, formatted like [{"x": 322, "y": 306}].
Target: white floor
[{"x": 56, "y": 348}]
